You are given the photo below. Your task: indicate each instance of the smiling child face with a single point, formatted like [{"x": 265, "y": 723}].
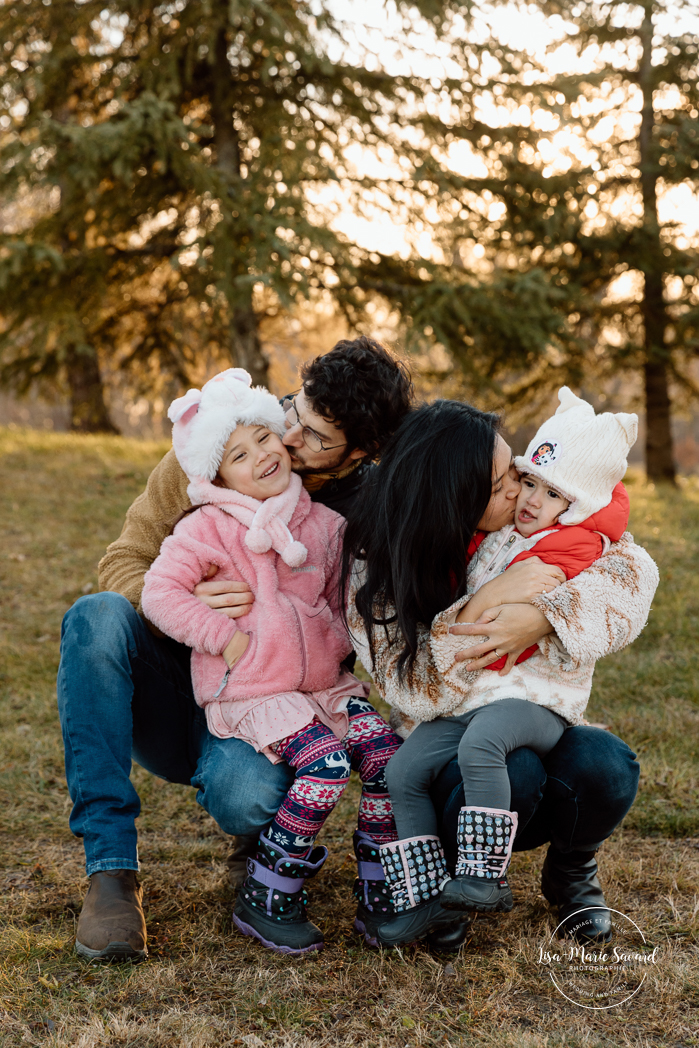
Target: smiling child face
[
  {"x": 255, "y": 463},
  {"x": 538, "y": 506}
]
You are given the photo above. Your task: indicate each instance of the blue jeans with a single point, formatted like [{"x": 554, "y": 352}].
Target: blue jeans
[
  {"x": 124, "y": 693},
  {"x": 574, "y": 797}
]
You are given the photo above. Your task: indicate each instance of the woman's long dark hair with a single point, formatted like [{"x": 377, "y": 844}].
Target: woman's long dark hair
[{"x": 414, "y": 520}]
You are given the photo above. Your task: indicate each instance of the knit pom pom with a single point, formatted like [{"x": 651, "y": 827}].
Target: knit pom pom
[
  {"x": 258, "y": 540},
  {"x": 295, "y": 554}
]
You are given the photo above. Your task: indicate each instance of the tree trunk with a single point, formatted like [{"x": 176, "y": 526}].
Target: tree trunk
[
  {"x": 246, "y": 340},
  {"x": 88, "y": 411},
  {"x": 246, "y": 348},
  {"x": 659, "y": 461}
]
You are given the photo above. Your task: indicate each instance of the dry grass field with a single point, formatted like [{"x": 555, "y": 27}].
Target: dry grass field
[{"x": 204, "y": 985}]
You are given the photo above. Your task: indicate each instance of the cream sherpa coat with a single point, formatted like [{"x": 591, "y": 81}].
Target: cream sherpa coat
[{"x": 598, "y": 612}]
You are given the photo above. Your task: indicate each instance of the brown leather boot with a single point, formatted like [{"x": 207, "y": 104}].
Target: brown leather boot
[
  {"x": 242, "y": 849},
  {"x": 112, "y": 926}
]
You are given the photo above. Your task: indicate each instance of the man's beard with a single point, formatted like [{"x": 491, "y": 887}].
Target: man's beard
[{"x": 307, "y": 471}]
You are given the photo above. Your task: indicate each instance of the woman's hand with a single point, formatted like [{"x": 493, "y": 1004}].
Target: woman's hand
[
  {"x": 509, "y": 630},
  {"x": 236, "y": 648}
]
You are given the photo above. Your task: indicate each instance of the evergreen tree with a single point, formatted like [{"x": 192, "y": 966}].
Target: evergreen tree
[
  {"x": 160, "y": 155},
  {"x": 571, "y": 228}
]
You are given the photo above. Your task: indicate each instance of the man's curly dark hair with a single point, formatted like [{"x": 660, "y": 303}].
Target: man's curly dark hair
[{"x": 360, "y": 387}]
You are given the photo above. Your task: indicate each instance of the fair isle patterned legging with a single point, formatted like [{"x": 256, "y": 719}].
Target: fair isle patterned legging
[{"x": 322, "y": 764}]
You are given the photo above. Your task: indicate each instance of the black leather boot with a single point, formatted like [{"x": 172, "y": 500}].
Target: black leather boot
[
  {"x": 449, "y": 938},
  {"x": 242, "y": 849},
  {"x": 569, "y": 882}
]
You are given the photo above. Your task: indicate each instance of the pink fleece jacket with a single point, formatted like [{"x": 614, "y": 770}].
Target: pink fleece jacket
[{"x": 297, "y": 637}]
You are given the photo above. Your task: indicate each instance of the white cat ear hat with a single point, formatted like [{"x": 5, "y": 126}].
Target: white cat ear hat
[
  {"x": 580, "y": 454},
  {"x": 205, "y": 418}
]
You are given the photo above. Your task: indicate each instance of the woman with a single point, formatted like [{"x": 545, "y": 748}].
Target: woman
[{"x": 446, "y": 474}]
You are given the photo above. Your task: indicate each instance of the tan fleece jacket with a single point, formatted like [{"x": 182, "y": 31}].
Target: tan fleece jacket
[{"x": 149, "y": 520}]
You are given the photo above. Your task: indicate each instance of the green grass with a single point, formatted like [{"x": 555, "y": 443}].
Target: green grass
[
  {"x": 205, "y": 986},
  {"x": 648, "y": 693}
]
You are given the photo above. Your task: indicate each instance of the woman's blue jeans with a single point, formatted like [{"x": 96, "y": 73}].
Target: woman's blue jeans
[
  {"x": 574, "y": 798},
  {"x": 124, "y": 693}
]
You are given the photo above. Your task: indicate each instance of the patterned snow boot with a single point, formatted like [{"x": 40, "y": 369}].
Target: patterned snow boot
[
  {"x": 271, "y": 905},
  {"x": 485, "y": 837},
  {"x": 415, "y": 873},
  {"x": 374, "y": 902}
]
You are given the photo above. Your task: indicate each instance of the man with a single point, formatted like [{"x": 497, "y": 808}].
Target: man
[{"x": 124, "y": 692}]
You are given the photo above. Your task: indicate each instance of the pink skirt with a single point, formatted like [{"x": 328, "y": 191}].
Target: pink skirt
[{"x": 276, "y": 717}]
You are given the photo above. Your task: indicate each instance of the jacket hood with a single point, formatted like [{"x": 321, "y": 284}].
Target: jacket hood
[{"x": 611, "y": 520}]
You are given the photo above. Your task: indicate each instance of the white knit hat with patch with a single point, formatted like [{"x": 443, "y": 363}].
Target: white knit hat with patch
[
  {"x": 205, "y": 418},
  {"x": 580, "y": 454}
]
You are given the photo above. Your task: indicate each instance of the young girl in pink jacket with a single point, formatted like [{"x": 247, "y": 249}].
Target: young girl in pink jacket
[{"x": 275, "y": 683}]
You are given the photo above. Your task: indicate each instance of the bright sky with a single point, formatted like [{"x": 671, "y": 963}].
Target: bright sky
[{"x": 377, "y": 28}]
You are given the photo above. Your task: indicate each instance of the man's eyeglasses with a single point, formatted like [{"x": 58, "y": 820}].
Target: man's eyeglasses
[{"x": 310, "y": 438}]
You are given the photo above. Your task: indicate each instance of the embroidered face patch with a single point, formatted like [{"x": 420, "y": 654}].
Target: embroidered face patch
[{"x": 546, "y": 453}]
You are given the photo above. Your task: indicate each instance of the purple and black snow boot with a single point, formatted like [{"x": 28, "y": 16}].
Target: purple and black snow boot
[
  {"x": 374, "y": 901},
  {"x": 271, "y": 904}
]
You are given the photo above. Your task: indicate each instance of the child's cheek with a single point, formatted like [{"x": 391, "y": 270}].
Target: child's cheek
[{"x": 285, "y": 456}]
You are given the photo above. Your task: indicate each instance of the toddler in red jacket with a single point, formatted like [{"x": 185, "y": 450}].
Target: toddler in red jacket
[{"x": 272, "y": 678}]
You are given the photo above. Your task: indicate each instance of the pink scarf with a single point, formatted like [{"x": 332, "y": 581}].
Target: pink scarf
[{"x": 266, "y": 521}]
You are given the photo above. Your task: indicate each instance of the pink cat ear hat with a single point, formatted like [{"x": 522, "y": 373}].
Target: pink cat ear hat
[{"x": 203, "y": 420}]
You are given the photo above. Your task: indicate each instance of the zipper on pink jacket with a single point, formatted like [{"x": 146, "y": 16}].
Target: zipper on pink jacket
[
  {"x": 222, "y": 685},
  {"x": 304, "y": 661}
]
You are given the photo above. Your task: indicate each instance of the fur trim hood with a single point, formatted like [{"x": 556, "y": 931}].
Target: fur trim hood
[{"x": 205, "y": 418}]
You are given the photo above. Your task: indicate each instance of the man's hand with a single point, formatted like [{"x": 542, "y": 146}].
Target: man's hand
[
  {"x": 236, "y": 648},
  {"x": 509, "y": 630},
  {"x": 232, "y": 598}
]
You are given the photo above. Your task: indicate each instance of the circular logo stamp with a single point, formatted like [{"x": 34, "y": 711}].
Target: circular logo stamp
[{"x": 602, "y": 976}]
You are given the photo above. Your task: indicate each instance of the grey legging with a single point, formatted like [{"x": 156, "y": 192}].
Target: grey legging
[{"x": 481, "y": 738}]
